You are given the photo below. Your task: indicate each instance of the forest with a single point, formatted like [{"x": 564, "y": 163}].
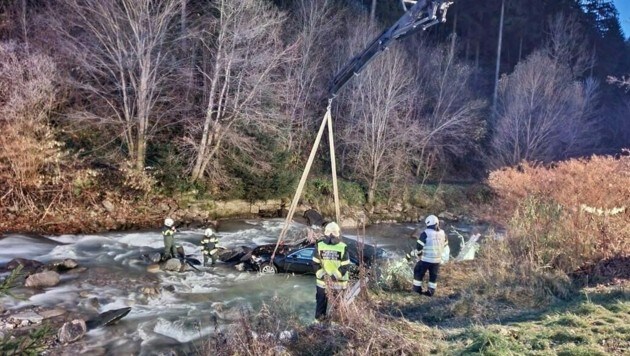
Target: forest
[
  {"x": 224, "y": 97},
  {"x": 513, "y": 114}
]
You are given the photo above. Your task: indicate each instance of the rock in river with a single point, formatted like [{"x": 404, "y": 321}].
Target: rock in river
[
  {"x": 72, "y": 331},
  {"x": 42, "y": 279},
  {"x": 173, "y": 264}
]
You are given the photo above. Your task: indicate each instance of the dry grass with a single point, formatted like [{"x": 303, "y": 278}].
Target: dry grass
[{"x": 357, "y": 329}]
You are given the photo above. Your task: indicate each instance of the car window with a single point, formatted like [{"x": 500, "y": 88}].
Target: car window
[{"x": 306, "y": 253}]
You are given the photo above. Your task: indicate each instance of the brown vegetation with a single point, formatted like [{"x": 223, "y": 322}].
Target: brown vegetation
[{"x": 566, "y": 216}]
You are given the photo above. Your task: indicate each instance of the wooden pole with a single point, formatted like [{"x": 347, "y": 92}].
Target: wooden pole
[
  {"x": 298, "y": 192},
  {"x": 333, "y": 166}
]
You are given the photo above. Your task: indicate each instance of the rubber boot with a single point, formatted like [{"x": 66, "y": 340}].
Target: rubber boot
[
  {"x": 417, "y": 289},
  {"x": 430, "y": 292}
]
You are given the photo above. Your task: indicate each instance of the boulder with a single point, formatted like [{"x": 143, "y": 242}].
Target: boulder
[
  {"x": 72, "y": 331},
  {"x": 172, "y": 264},
  {"x": 108, "y": 206},
  {"x": 150, "y": 291},
  {"x": 42, "y": 279},
  {"x": 64, "y": 265},
  {"x": 313, "y": 217},
  {"x": 27, "y": 265}
]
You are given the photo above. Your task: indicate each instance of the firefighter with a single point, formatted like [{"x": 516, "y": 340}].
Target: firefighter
[
  {"x": 168, "y": 232},
  {"x": 431, "y": 244},
  {"x": 209, "y": 247},
  {"x": 330, "y": 262}
]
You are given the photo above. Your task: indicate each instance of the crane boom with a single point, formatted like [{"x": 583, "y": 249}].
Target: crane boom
[{"x": 422, "y": 15}]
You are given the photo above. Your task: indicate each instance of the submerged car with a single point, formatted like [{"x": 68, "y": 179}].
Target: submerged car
[{"x": 299, "y": 258}]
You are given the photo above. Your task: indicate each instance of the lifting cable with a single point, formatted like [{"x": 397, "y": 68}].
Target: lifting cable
[{"x": 298, "y": 193}]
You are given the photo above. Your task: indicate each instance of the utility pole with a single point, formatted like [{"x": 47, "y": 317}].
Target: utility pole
[{"x": 498, "y": 67}]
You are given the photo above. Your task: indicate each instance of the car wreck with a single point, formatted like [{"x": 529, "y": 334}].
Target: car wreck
[{"x": 293, "y": 256}]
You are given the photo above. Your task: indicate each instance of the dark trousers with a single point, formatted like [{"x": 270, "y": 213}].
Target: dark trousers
[
  {"x": 421, "y": 269},
  {"x": 321, "y": 303},
  {"x": 213, "y": 258}
]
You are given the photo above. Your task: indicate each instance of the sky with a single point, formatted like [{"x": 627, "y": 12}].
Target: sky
[{"x": 623, "y": 6}]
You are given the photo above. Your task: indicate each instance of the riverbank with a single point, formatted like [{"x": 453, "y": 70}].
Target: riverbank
[{"x": 97, "y": 211}]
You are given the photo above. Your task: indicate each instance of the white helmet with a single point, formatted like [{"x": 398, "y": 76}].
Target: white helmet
[
  {"x": 431, "y": 220},
  {"x": 332, "y": 229},
  {"x": 169, "y": 222},
  {"x": 209, "y": 232}
]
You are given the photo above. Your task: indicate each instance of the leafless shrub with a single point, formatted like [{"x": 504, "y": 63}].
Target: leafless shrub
[{"x": 30, "y": 156}]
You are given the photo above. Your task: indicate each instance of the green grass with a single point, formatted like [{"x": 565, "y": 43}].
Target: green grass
[{"x": 599, "y": 326}]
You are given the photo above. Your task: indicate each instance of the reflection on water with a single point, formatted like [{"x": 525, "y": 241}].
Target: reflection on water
[{"x": 189, "y": 305}]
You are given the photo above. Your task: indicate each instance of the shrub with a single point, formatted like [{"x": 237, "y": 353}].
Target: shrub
[
  {"x": 571, "y": 214},
  {"x": 319, "y": 191},
  {"x": 30, "y": 156}
]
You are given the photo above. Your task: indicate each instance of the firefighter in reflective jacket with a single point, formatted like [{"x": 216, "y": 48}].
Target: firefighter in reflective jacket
[
  {"x": 431, "y": 244},
  {"x": 330, "y": 262},
  {"x": 209, "y": 247},
  {"x": 168, "y": 233}
]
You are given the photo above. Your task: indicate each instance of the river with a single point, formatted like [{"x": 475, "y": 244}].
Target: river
[{"x": 189, "y": 305}]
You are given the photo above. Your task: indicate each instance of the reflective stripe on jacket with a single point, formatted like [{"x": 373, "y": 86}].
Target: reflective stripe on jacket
[
  {"x": 330, "y": 261},
  {"x": 433, "y": 243},
  {"x": 209, "y": 245}
]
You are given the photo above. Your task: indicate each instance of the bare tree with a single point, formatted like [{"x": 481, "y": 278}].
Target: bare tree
[
  {"x": 377, "y": 117},
  {"x": 243, "y": 51},
  {"x": 448, "y": 108},
  {"x": 123, "y": 63},
  {"x": 313, "y": 23},
  {"x": 568, "y": 45},
  {"x": 545, "y": 112}
]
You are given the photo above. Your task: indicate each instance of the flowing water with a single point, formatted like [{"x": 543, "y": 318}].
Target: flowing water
[{"x": 189, "y": 305}]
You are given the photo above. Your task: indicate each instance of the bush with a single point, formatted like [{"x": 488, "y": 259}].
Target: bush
[
  {"x": 319, "y": 191},
  {"x": 569, "y": 215},
  {"x": 396, "y": 275},
  {"x": 30, "y": 156}
]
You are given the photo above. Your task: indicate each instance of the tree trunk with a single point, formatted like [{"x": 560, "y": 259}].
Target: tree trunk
[
  {"x": 373, "y": 11},
  {"x": 371, "y": 192}
]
